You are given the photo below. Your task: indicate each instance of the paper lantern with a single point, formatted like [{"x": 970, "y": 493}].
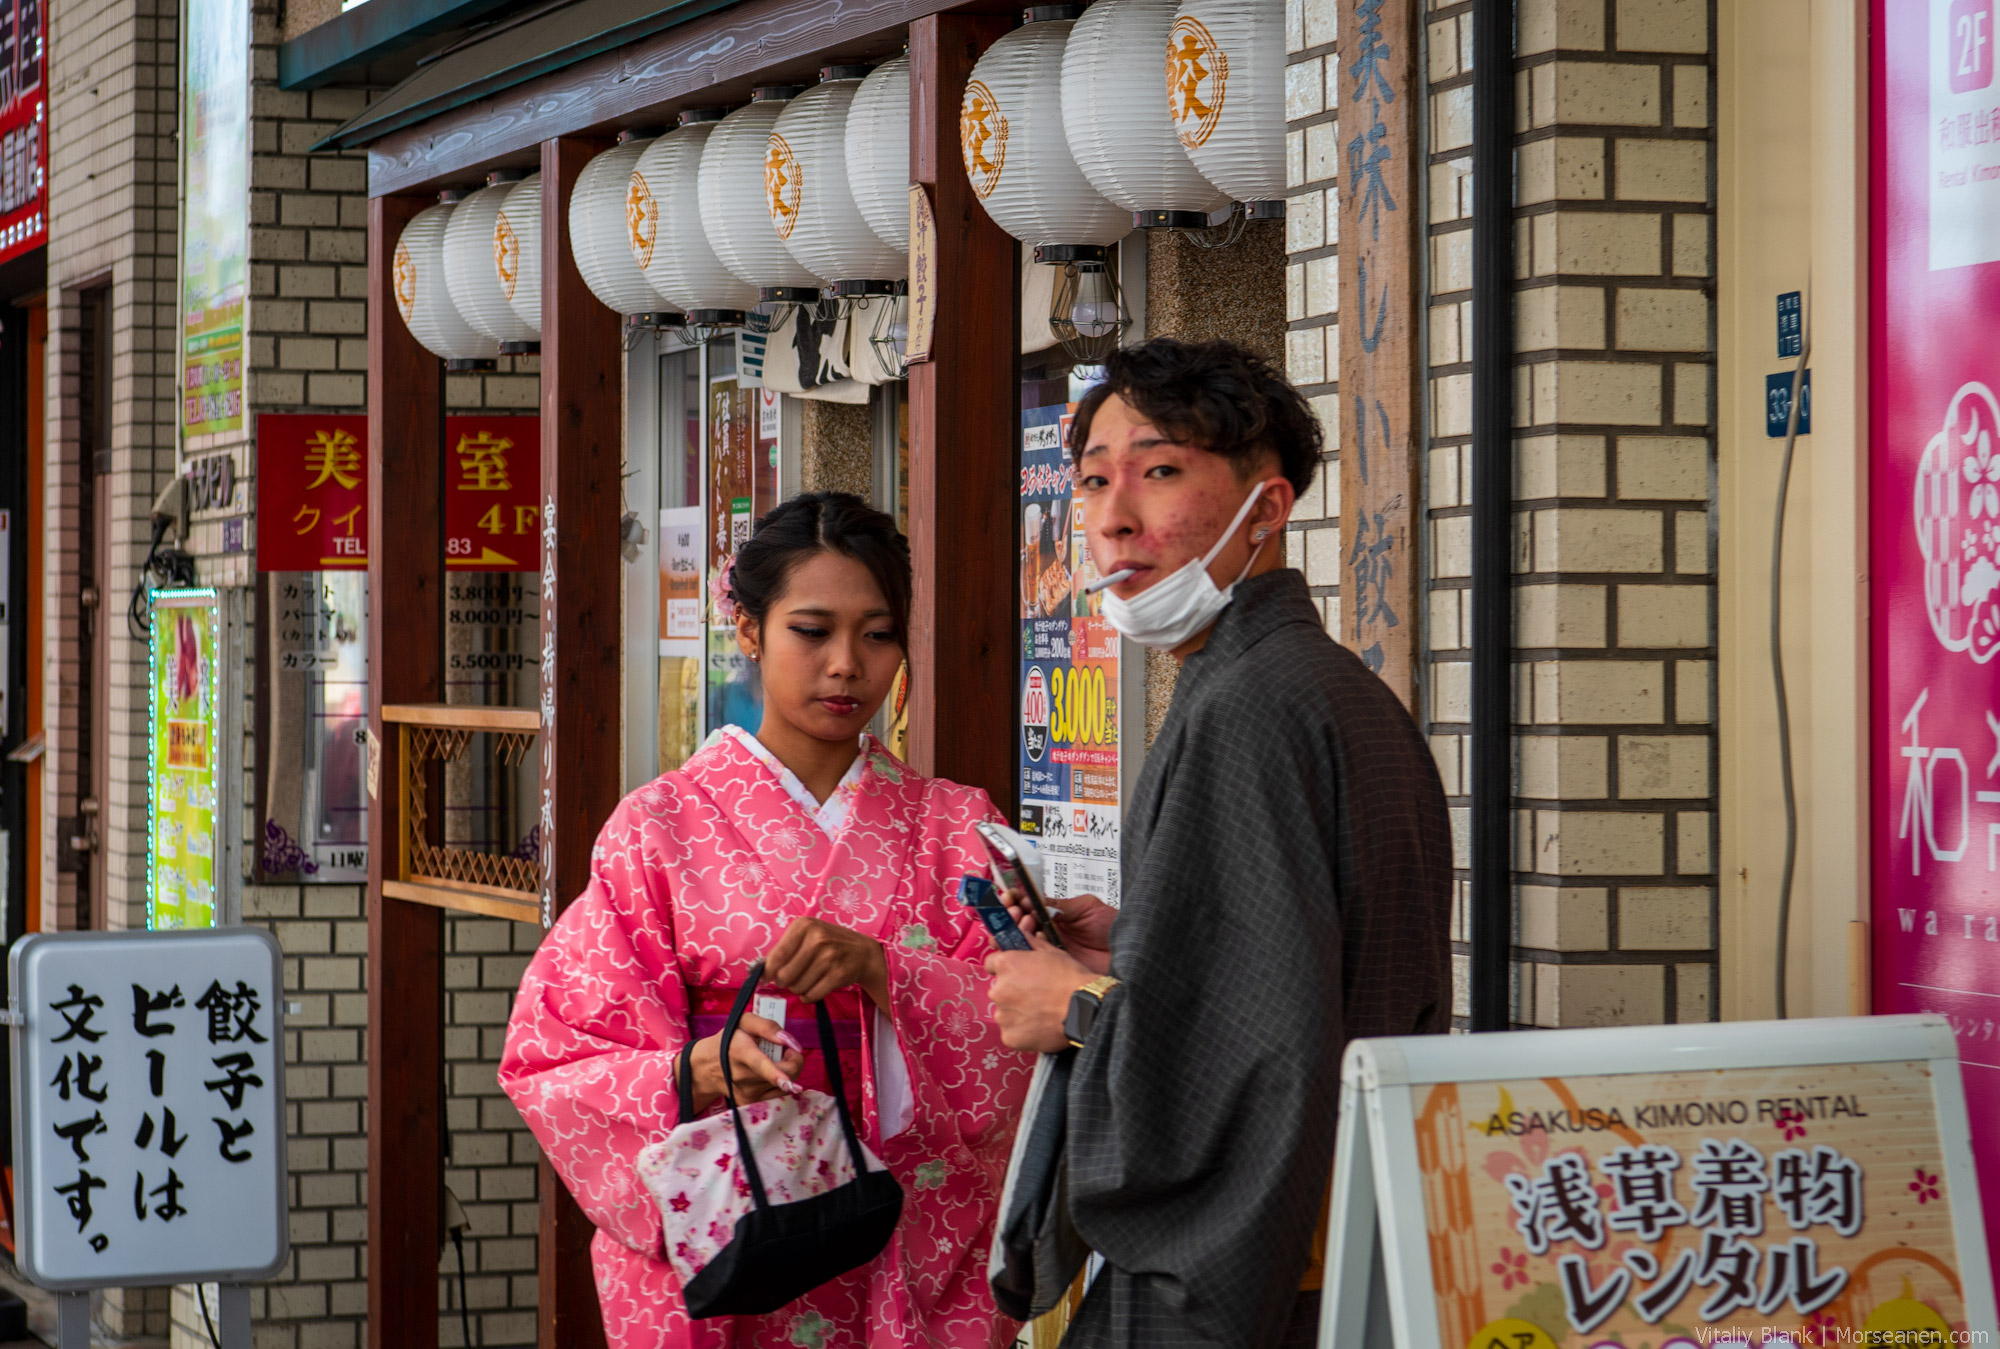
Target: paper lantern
[
  {"x": 733, "y": 203},
  {"x": 1225, "y": 82},
  {"x": 600, "y": 230},
  {"x": 517, "y": 250},
  {"x": 1016, "y": 151},
  {"x": 668, "y": 239},
  {"x": 470, "y": 270},
  {"x": 424, "y": 300},
  {"x": 806, "y": 188},
  {"x": 1114, "y": 110},
  {"x": 878, "y": 152}
]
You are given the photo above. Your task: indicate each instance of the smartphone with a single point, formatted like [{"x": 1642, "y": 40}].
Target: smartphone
[
  {"x": 978, "y": 892},
  {"x": 1016, "y": 875}
]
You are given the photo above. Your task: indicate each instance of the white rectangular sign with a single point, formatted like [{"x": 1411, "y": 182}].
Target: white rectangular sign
[{"x": 149, "y": 1108}]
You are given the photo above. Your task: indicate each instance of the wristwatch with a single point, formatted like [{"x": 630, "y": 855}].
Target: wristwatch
[{"x": 1084, "y": 1005}]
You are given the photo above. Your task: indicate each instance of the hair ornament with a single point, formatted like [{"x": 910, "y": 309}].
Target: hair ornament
[{"x": 719, "y": 593}]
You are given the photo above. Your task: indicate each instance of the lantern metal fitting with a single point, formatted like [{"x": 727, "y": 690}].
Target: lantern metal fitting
[
  {"x": 652, "y": 321},
  {"x": 702, "y": 326},
  {"x": 1088, "y": 313},
  {"x": 891, "y": 335}
]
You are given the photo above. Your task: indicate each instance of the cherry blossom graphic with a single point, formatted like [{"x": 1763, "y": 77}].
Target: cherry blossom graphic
[
  {"x": 1956, "y": 515},
  {"x": 1512, "y": 1267},
  {"x": 1925, "y": 1186},
  {"x": 1791, "y": 1124}
]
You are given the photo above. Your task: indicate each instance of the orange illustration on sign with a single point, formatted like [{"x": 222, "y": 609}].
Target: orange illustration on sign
[
  {"x": 784, "y": 184},
  {"x": 1197, "y": 76},
  {"x": 982, "y": 137},
  {"x": 506, "y": 254},
  {"x": 334, "y": 456},
  {"x": 642, "y": 219},
  {"x": 403, "y": 279}
]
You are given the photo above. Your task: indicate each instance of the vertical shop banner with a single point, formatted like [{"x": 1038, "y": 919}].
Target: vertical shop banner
[
  {"x": 1934, "y": 535},
  {"x": 1069, "y": 676},
  {"x": 492, "y": 493},
  {"x": 742, "y": 488},
  {"x": 215, "y": 212},
  {"x": 185, "y": 760},
  {"x": 1379, "y": 403},
  {"x": 312, "y": 492},
  {"x": 24, "y": 127}
]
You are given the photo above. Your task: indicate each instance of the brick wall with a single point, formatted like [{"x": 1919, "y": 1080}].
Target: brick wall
[{"x": 1614, "y": 612}]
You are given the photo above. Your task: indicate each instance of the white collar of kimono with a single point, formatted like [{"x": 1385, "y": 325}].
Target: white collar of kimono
[{"x": 829, "y": 814}]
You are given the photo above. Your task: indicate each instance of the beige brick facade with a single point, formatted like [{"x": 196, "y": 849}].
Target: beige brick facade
[{"x": 1614, "y": 627}]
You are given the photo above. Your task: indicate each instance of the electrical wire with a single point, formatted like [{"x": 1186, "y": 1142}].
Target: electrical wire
[
  {"x": 201, "y": 1295},
  {"x": 464, "y": 1313},
  {"x": 1778, "y": 659}
]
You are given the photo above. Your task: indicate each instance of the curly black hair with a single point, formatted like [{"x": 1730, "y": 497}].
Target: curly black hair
[
  {"x": 813, "y": 522},
  {"x": 1217, "y": 395}
]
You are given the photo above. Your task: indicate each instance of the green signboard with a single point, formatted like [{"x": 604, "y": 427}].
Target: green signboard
[{"x": 186, "y": 760}]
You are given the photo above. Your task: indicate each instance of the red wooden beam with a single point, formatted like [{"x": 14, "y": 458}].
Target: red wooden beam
[
  {"x": 583, "y": 367},
  {"x": 964, "y": 627},
  {"x": 405, "y": 941}
]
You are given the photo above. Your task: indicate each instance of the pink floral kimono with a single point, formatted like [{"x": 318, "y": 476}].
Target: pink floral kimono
[{"x": 694, "y": 877}]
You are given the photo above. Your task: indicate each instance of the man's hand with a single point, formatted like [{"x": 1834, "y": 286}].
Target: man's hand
[
  {"x": 1030, "y": 995},
  {"x": 815, "y": 958},
  {"x": 1082, "y": 921}
]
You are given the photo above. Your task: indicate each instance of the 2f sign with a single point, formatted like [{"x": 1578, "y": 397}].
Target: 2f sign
[{"x": 1970, "y": 31}]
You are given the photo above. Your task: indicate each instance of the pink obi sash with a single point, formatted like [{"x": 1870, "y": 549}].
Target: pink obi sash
[{"x": 708, "y": 1009}]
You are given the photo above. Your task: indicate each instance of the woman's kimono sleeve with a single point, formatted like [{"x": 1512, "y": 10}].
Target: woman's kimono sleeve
[
  {"x": 938, "y": 981},
  {"x": 600, "y": 1016}
]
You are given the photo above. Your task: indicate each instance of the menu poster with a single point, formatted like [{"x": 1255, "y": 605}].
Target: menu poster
[
  {"x": 185, "y": 747},
  {"x": 1069, "y": 723},
  {"x": 1934, "y": 534}
]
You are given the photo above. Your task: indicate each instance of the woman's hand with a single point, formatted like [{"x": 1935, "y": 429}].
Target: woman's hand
[
  {"x": 757, "y": 1078},
  {"x": 815, "y": 958},
  {"x": 1082, "y": 921}
]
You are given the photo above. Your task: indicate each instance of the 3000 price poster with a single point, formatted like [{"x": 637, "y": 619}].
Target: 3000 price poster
[{"x": 1069, "y": 676}]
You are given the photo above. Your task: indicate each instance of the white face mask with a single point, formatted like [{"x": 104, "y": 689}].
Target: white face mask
[{"x": 1170, "y": 611}]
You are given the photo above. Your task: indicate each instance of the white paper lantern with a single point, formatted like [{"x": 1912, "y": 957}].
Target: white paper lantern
[
  {"x": 808, "y": 195},
  {"x": 1114, "y": 110},
  {"x": 878, "y": 152},
  {"x": 733, "y": 209},
  {"x": 601, "y": 222},
  {"x": 1225, "y": 82},
  {"x": 517, "y": 250},
  {"x": 1016, "y": 152},
  {"x": 423, "y": 298},
  {"x": 470, "y": 271},
  {"x": 668, "y": 240}
]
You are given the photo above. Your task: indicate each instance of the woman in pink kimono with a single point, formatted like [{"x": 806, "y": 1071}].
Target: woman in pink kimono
[{"x": 807, "y": 844}]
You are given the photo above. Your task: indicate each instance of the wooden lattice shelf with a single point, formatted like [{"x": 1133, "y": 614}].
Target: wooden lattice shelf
[{"x": 495, "y": 884}]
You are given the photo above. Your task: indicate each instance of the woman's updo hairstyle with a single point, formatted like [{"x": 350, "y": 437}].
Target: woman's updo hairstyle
[{"x": 813, "y": 522}]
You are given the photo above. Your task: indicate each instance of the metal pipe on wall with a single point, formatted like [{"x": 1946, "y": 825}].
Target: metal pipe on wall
[{"x": 1491, "y": 905}]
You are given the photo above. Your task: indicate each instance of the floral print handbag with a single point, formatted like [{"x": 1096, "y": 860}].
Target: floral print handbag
[{"x": 776, "y": 1202}]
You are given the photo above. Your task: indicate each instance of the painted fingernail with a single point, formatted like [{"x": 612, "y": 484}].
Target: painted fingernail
[
  {"x": 788, "y": 1042},
  {"x": 790, "y": 1087}
]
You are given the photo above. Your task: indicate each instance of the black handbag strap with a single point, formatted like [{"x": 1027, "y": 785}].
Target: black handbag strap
[
  {"x": 826, "y": 1046},
  {"x": 684, "y": 1080}
]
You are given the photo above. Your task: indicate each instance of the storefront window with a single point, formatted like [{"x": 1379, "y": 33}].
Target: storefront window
[{"x": 683, "y": 589}]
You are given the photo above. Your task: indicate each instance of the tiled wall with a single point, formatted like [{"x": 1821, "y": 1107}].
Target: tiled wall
[{"x": 1614, "y": 608}]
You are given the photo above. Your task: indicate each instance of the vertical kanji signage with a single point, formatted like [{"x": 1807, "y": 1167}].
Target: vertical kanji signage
[
  {"x": 493, "y": 493},
  {"x": 24, "y": 127},
  {"x": 149, "y": 1086},
  {"x": 1378, "y": 232}
]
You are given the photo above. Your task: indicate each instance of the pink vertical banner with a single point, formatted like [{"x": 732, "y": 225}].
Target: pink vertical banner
[{"x": 1934, "y": 534}]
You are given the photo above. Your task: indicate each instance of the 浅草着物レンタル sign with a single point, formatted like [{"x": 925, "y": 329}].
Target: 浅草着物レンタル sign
[
  {"x": 1801, "y": 1182},
  {"x": 149, "y": 1107}
]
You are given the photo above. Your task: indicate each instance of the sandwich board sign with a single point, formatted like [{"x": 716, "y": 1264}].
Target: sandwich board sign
[
  {"x": 1785, "y": 1183},
  {"x": 149, "y": 1141}
]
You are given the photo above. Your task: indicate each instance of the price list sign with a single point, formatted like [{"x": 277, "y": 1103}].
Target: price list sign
[{"x": 149, "y": 1107}]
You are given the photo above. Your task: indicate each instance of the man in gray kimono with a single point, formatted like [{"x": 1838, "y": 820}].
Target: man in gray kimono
[{"x": 1286, "y": 869}]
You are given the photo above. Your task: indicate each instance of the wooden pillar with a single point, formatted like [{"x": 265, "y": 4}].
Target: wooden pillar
[
  {"x": 405, "y": 941},
  {"x": 583, "y": 365},
  {"x": 1380, "y": 229},
  {"x": 964, "y": 624}
]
